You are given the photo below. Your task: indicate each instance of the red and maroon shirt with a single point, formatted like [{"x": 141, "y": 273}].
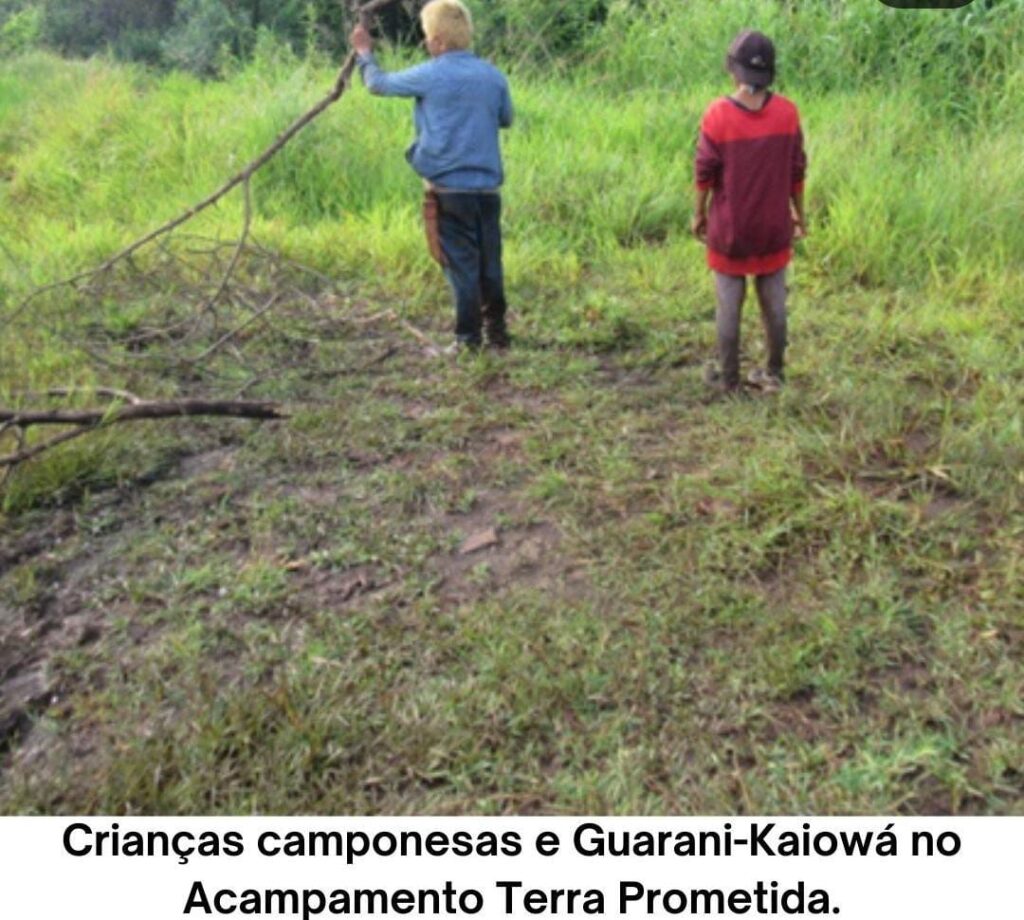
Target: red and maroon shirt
[{"x": 753, "y": 162}]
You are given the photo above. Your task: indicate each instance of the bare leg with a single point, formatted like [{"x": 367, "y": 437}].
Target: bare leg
[
  {"x": 771, "y": 294},
  {"x": 731, "y": 290}
]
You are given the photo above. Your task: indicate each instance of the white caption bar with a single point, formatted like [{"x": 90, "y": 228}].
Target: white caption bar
[{"x": 854, "y": 868}]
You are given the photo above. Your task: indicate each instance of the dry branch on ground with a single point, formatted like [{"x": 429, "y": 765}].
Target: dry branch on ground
[
  {"x": 366, "y": 12},
  {"x": 87, "y": 420},
  {"x": 180, "y": 329}
]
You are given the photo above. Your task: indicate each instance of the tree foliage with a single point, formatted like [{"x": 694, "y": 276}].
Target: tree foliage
[
  {"x": 191, "y": 34},
  {"x": 826, "y": 41},
  {"x": 196, "y": 34}
]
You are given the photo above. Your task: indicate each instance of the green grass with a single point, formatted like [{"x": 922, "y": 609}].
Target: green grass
[{"x": 808, "y": 603}]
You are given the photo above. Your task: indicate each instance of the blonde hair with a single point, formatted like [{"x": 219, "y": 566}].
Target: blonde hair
[{"x": 449, "y": 21}]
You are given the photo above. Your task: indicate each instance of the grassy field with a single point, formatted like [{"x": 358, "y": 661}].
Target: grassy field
[{"x": 810, "y": 602}]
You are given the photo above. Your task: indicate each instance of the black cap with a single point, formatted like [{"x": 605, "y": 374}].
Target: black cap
[{"x": 751, "y": 59}]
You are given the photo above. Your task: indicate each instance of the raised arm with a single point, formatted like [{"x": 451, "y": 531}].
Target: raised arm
[{"x": 411, "y": 82}]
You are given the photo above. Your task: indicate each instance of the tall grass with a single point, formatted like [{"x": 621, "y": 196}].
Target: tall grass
[
  {"x": 827, "y": 45},
  {"x": 598, "y": 165}
]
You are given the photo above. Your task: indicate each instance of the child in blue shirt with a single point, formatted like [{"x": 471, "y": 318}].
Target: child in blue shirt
[{"x": 461, "y": 103}]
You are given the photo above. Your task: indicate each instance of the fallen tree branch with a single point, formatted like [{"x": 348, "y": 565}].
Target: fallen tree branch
[
  {"x": 365, "y": 11},
  {"x": 125, "y": 406},
  {"x": 142, "y": 410},
  {"x": 88, "y": 420}
]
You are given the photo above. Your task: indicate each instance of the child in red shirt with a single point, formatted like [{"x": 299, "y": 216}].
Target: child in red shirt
[{"x": 750, "y": 163}]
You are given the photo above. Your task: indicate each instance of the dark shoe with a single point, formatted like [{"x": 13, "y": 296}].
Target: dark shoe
[
  {"x": 498, "y": 338},
  {"x": 714, "y": 380}
]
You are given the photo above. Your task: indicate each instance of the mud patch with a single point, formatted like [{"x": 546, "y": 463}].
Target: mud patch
[
  {"x": 217, "y": 460},
  {"x": 332, "y": 590},
  {"x": 55, "y": 528},
  {"x": 523, "y": 553},
  {"x": 26, "y": 691}
]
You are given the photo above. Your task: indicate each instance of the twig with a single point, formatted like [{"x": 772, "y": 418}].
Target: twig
[
  {"x": 253, "y": 381},
  {"x": 20, "y": 456},
  {"x": 378, "y": 359},
  {"x": 10, "y": 469},
  {"x": 19, "y": 433},
  {"x": 371, "y": 319},
  {"x": 164, "y": 332},
  {"x": 71, "y": 391},
  {"x": 231, "y": 333},
  {"x": 432, "y": 348},
  {"x": 233, "y": 264}
]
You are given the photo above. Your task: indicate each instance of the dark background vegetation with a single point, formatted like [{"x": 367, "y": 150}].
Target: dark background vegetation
[
  {"x": 830, "y": 44},
  {"x": 196, "y": 34}
]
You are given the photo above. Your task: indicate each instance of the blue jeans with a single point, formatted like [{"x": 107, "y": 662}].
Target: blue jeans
[{"x": 469, "y": 225}]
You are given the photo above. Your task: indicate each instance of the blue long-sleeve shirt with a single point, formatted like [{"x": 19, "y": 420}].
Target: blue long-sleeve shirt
[{"x": 461, "y": 102}]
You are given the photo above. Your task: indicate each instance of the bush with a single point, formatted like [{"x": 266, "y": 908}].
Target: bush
[
  {"x": 145, "y": 45},
  {"x": 535, "y": 30},
  {"x": 203, "y": 31},
  {"x": 21, "y": 31},
  {"x": 83, "y": 27}
]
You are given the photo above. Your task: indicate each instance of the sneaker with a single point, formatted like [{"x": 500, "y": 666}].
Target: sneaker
[{"x": 763, "y": 381}]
